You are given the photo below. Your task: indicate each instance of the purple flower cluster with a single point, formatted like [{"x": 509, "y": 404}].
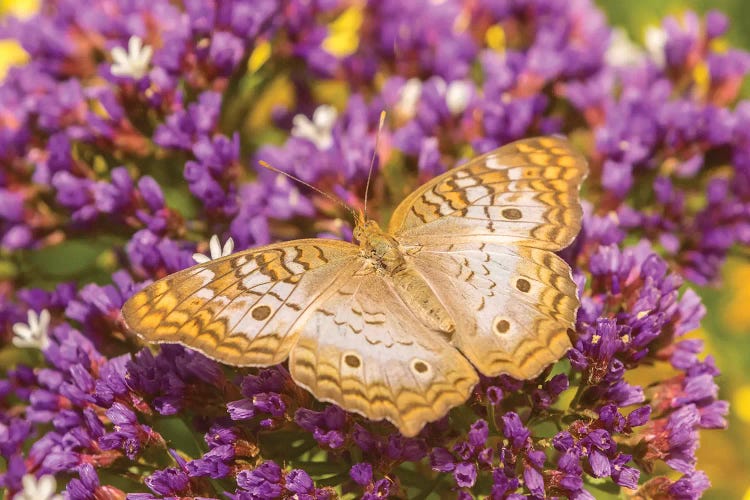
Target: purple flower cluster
[
  {"x": 141, "y": 123},
  {"x": 668, "y": 126}
]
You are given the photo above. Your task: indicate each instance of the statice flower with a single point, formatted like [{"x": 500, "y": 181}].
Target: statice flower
[{"x": 118, "y": 166}]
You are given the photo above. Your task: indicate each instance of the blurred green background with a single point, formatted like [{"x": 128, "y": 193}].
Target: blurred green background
[{"x": 725, "y": 456}]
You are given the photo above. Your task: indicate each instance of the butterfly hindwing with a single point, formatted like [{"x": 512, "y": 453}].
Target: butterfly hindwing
[
  {"x": 364, "y": 350},
  {"x": 513, "y": 305},
  {"x": 242, "y": 309},
  {"x": 523, "y": 193}
]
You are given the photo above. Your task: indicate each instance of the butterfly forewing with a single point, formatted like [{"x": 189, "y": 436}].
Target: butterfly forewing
[
  {"x": 524, "y": 193},
  {"x": 242, "y": 309}
]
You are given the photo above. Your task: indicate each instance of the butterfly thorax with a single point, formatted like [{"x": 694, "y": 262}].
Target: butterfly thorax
[
  {"x": 380, "y": 249},
  {"x": 383, "y": 255}
]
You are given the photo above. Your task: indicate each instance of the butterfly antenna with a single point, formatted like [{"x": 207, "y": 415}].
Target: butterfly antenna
[
  {"x": 372, "y": 161},
  {"x": 297, "y": 179}
]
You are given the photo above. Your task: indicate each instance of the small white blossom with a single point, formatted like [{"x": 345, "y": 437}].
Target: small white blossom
[
  {"x": 458, "y": 96},
  {"x": 133, "y": 63},
  {"x": 656, "y": 40},
  {"x": 409, "y": 97},
  {"x": 622, "y": 51},
  {"x": 38, "y": 489},
  {"x": 35, "y": 333},
  {"x": 215, "y": 249},
  {"x": 319, "y": 131}
]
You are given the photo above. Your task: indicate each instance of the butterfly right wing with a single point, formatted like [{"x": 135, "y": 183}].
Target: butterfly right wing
[
  {"x": 243, "y": 309},
  {"x": 513, "y": 305}
]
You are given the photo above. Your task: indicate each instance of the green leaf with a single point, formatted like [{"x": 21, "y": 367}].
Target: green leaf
[{"x": 74, "y": 259}]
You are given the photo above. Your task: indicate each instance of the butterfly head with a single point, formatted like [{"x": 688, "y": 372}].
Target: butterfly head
[{"x": 364, "y": 228}]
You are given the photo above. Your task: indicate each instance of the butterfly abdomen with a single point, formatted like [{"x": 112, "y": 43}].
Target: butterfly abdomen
[
  {"x": 421, "y": 299},
  {"x": 388, "y": 259}
]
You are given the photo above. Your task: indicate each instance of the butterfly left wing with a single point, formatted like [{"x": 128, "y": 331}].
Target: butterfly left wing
[
  {"x": 243, "y": 309},
  {"x": 524, "y": 193},
  {"x": 365, "y": 350}
]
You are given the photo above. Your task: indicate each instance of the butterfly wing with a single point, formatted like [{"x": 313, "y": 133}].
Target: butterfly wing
[
  {"x": 513, "y": 305},
  {"x": 482, "y": 236},
  {"x": 363, "y": 349},
  {"x": 524, "y": 193},
  {"x": 243, "y": 309}
]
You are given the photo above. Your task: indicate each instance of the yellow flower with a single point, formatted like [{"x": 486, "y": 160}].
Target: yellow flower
[
  {"x": 343, "y": 37},
  {"x": 495, "y": 37},
  {"x": 259, "y": 56},
  {"x": 19, "y": 8},
  {"x": 11, "y": 54},
  {"x": 741, "y": 403}
]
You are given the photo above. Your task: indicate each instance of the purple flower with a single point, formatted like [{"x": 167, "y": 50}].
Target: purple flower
[
  {"x": 184, "y": 126},
  {"x": 170, "y": 481},
  {"x": 361, "y": 473},
  {"x": 326, "y": 426},
  {"x": 514, "y": 430},
  {"x": 214, "y": 463},
  {"x": 128, "y": 434},
  {"x": 299, "y": 482},
  {"x": 442, "y": 460},
  {"x": 265, "y": 481},
  {"x": 86, "y": 486},
  {"x": 465, "y": 474},
  {"x": 690, "y": 485},
  {"x": 478, "y": 434},
  {"x": 534, "y": 481}
]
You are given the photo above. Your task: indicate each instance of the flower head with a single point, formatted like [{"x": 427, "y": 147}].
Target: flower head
[
  {"x": 215, "y": 249},
  {"x": 34, "y": 333},
  {"x": 135, "y": 62},
  {"x": 319, "y": 129},
  {"x": 42, "y": 488}
]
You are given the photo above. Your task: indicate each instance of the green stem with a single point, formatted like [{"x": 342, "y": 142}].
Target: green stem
[{"x": 577, "y": 397}]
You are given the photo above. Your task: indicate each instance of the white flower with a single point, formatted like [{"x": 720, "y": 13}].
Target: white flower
[
  {"x": 622, "y": 51},
  {"x": 216, "y": 250},
  {"x": 33, "y": 334},
  {"x": 457, "y": 96},
  {"x": 135, "y": 61},
  {"x": 409, "y": 97},
  {"x": 319, "y": 131},
  {"x": 38, "y": 489},
  {"x": 656, "y": 40}
]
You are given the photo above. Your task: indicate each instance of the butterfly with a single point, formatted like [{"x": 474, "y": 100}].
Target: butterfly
[{"x": 396, "y": 327}]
